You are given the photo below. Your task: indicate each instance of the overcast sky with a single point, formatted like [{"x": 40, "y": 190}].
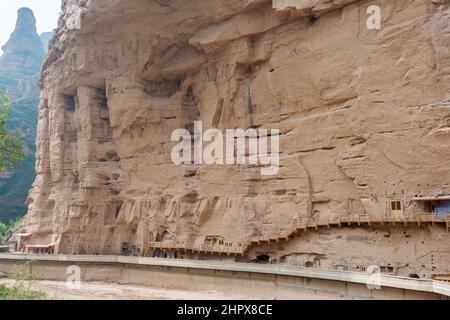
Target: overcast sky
[{"x": 45, "y": 11}]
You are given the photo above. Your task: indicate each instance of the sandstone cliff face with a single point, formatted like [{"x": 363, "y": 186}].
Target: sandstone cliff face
[
  {"x": 20, "y": 66},
  {"x": 364, "y": 119}
]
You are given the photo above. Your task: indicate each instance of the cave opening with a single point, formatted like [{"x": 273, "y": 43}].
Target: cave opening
[{"x": 263, "y": 259}]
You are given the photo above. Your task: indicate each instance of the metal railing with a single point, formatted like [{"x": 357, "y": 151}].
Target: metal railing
[{"x": 302, "y": 224}]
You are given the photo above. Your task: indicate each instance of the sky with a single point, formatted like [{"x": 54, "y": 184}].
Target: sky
[{"x": 45, "y": 11}]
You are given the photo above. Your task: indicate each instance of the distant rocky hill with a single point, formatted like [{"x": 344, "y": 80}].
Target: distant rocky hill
[
  {"x": 45, "y": 38},
  {"x": 20, "y": 67}
]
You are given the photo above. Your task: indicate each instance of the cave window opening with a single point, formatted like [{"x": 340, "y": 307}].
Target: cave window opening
[
  {"x": 118, "y": 207},
  {"x": 104, "y": 115},
  {"x": 213, "y": 240},
  {"x": 430, "y": 207},
  {"x": 162, "y": 88},
  {"x": 362, "y": 268},
  {"x": 70, "y": 134},
  {"x": 69, "y": 102},
  {"x": 396, "y": 207},
  {"x": 157, "y": 253},
  {"x": 263, "y": 258},
  {"x": 386, "y": 269},
  {"x": 313, "y": 20},
  {"x": 191, "y": 112},
  {"x": 316, "y": 262}
]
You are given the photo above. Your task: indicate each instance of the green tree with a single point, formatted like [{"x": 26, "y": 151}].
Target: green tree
[
  {"x": 11, "y": 150},
  {"x": 12, "y": 226}
]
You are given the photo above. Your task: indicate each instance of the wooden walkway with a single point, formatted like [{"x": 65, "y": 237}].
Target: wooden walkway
[{"x": 299, "y": 226}]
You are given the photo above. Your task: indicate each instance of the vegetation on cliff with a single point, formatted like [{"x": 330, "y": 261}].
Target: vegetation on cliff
[
  {"x": 10, "y": 227},
  {"x": 11, "y": 150}
]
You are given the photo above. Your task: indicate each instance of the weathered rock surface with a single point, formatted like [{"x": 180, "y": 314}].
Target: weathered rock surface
[{"x": 364, "y": 119}]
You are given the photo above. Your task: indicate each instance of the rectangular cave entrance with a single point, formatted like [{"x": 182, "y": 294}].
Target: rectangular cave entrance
[
  {"x": 396, "y": 208},
  {"x": 214, "y": 240},
  {"x": 438, "y": 206}
]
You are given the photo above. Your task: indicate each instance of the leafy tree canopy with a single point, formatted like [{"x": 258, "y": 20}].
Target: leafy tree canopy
[
  {"x": 11, "y": 150},
  {"x": 12, "y": 226}
]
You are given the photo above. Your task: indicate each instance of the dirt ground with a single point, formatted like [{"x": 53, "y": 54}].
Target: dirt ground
[{"x": 111, "y": 291}]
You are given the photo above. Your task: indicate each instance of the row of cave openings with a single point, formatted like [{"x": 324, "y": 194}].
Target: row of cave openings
[{"x": 100, "y": 133}]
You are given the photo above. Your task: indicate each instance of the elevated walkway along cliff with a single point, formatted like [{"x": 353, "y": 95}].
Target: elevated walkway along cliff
[{"x": 299, "y": 226}]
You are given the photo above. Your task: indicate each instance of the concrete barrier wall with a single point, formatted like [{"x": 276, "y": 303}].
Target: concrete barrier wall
[{"x": 236, "y": 279}]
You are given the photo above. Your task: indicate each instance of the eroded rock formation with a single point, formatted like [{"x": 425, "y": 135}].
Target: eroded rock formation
[
  {"x": 20, "y": 66},
  {"x": 364, "y": 119}
]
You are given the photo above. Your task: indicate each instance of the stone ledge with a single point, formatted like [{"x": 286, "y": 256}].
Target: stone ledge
[{"x": 422, "y": 285}]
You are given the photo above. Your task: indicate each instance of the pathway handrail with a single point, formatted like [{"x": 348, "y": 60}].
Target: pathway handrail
[{"x": 240, "y": 247}]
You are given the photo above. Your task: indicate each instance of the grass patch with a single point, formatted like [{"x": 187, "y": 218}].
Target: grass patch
[
  {"x": 21, "y": 291},
  {"x": 22, "y": 286}
]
